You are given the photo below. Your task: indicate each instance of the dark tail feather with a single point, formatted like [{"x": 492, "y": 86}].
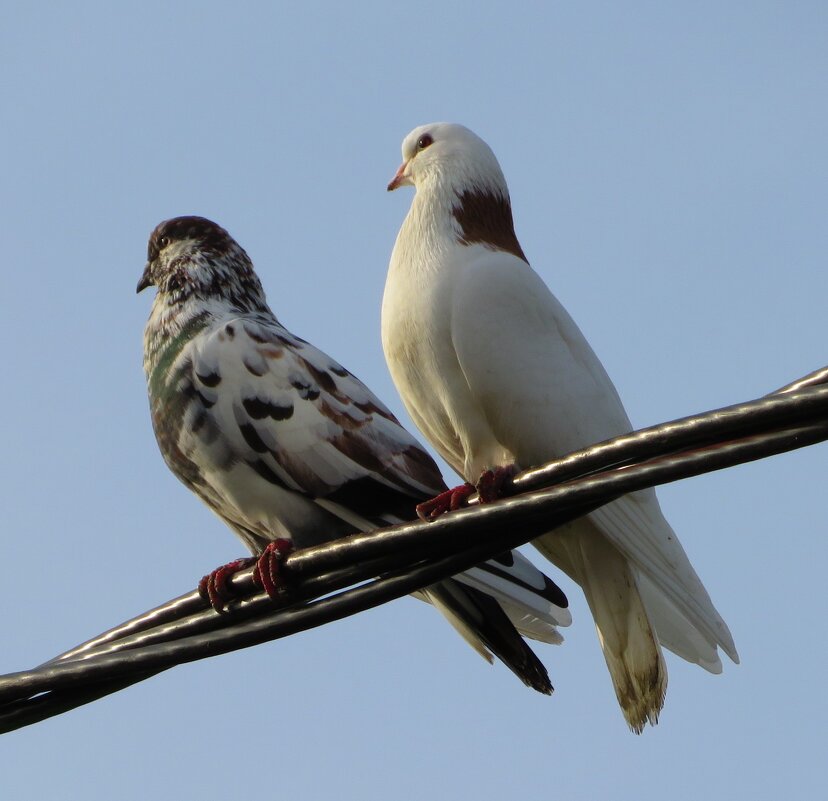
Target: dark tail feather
[{"x": 484, "y": 620}]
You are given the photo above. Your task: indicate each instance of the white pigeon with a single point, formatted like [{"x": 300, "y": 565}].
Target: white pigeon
[
  {"x": 284, "y": 444},
  {"x": 496, "y": 374}
]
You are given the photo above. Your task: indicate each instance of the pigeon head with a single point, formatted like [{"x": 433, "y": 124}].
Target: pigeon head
[
  {"x": 192, "y": 257},
  {"x": 457, "y": 175},
  {"x": 444, "y": 152}
]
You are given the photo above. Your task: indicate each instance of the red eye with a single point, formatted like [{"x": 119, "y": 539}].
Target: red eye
[{"x": 424, "y": 141}]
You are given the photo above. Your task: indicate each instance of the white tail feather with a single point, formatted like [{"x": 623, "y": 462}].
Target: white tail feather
[{"x": 625, "y": 631}]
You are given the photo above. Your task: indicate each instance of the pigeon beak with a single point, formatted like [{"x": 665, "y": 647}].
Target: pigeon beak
[
  {"x": 400, "y": 178},
  {"x": 146, "y": 279}
]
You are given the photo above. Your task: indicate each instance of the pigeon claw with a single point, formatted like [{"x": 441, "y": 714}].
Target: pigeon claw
[
  {"x": 269, "y": 572},
  {"x": 493, "y": 484},
  {"x": 447, "y": 501},
  {"x": 215, "y": 587}
]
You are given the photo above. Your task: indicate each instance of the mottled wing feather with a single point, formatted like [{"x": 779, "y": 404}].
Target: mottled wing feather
[{"x": 302, "y": 420}]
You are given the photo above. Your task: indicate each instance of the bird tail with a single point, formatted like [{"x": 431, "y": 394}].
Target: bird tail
[
  {"x": 534, "y": 603},
  {"x": 625, "y": 631},
  {"x": 481, "y": 621}
]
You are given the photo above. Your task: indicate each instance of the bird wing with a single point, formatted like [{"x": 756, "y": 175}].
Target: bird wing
[
  {"x": 304, "y": 423},
  {"x": 544, "y": 393}
]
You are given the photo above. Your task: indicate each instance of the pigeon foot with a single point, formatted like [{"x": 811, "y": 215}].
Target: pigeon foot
[
  {"x": 215, "y": 587},
  {"x": 446, "y": 501},
  {"x": 492, "y": 484},
  {"x": 269, "y": 572}
]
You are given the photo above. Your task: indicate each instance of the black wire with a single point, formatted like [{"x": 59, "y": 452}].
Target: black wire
[
  {"x": 109, "y": 672},
  {"x": 142, "y": 647},
  {"x": 812, "y": 379},
  {"x": 26, "y": 711}
]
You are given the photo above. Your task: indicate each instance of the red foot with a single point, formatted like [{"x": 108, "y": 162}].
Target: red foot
[
  {"x": 215, "y": 587},
  {"x": 446, "y": 501},
  {"x": 269, "y": 574},
  {"x": 492, "y": 483}
]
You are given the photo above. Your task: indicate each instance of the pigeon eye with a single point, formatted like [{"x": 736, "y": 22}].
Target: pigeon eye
[{"x": 424, "y": 141}]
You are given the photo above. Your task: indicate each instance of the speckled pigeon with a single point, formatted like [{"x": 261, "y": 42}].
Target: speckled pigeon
[{"x": 285, "y": 445}]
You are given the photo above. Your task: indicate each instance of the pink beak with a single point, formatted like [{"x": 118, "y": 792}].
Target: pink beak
[{"x": 399, "y": 178}]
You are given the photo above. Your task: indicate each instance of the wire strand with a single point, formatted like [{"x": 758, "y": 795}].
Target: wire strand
[{"x": 398, "y": 560}]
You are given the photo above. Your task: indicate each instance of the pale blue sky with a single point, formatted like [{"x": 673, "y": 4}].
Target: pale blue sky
[{"x": 668, "y": 168}]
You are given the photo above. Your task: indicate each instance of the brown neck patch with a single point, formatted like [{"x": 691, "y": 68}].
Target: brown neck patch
[{"x": 486, "y": 218}]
